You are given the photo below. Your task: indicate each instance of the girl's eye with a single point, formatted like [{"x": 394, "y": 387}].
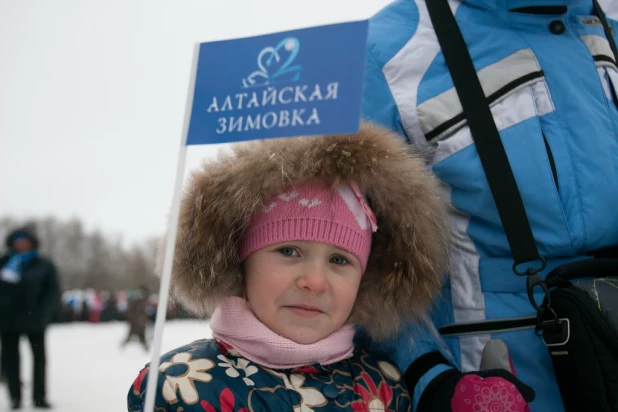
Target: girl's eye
[
  {"x": 339, "y": 260},
  {"x": 288, "y": 251}
]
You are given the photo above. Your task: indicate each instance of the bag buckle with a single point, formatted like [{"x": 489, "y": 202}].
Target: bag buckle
[
  {"x": 533, "y": 279},
  {"x": 529, "y": 270},
  {"x": 547, "y": 318},
  {"x": 555, "y": 333}
]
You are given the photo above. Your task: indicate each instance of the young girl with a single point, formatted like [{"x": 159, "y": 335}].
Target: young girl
[{"x": 293, "y": 242}]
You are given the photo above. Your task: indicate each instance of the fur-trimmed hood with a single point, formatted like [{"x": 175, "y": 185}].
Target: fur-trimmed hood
[{"x": 409, "y": 252}]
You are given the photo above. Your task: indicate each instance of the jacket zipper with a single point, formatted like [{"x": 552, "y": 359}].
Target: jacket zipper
[
  {"x": 552, "y": 163},
  {"x": 612, "y": 91},
  {"x": 488, "y": 326}
]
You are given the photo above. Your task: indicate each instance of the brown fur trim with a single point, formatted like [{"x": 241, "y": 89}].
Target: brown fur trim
[{"x": 409, "y": 254}]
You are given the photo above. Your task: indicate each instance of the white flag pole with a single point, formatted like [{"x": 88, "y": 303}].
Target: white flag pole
[{"x": 153, "y": 372}]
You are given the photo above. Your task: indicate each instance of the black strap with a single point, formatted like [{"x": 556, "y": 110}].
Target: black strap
[
  {"x": 421, "y": 366},
  {"x": 607, "y": 29},
  {"x": 485, "y": 133},
  {"x": 489, "y": 145},
  {"x": 585, "y": 268}
]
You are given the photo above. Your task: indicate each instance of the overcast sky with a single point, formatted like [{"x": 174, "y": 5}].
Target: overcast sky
[{"x": 92, "y": 99}]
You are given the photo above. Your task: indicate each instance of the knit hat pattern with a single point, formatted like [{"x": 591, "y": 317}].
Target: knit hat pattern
[{"x": 312, "y": 211}]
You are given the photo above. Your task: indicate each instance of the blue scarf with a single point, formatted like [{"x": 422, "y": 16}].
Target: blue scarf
[{"x": 11, "y": 272}]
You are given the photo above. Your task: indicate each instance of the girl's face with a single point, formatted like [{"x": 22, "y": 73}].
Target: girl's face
[{"x": 302, "y": 290}]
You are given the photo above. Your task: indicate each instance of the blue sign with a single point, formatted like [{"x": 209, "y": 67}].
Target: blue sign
[{"x": 300, "y": 82}]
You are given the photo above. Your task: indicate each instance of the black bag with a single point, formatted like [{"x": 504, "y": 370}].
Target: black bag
[
  {"x": 584, "y": 343},
  {"x": 578, "y": 318}
]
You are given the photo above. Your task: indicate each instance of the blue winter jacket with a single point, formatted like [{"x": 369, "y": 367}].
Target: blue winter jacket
[{"x": 552, "y": 83}]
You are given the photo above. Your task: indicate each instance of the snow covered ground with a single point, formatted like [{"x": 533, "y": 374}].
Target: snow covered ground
[{"x": 87, "y": 369}]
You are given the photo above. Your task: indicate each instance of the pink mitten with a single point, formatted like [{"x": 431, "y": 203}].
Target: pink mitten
[{"x": 491, "y": 394}]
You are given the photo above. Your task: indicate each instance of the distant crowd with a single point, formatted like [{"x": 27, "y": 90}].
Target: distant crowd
[{"x": 94, "y": 306}]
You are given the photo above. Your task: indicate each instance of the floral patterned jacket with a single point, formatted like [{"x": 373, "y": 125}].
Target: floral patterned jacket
[{"x": 209, "y": 375}]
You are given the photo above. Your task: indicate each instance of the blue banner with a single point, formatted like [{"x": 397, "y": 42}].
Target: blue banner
[{"x": 300, "y": 82}]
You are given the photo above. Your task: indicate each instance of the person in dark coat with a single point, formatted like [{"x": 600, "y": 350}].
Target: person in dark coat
[
  {"x": 29, "y": 299},
  {"x": 137, "y": 317}
]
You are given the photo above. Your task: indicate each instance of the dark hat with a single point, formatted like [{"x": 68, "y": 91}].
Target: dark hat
[{"x": 24, "y": 232}]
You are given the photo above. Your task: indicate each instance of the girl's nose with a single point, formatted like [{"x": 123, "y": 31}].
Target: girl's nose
[{"x": 313, "y": 278}]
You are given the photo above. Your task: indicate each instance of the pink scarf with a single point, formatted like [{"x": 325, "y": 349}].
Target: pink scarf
[{"x": 235, "y": 324}]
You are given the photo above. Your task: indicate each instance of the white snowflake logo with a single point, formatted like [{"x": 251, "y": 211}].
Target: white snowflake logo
[{"x": 290, "y": 44}]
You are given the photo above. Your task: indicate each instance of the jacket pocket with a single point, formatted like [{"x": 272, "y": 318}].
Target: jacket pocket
[
  {"x": 552, "y": 162},
  {"x": 442, "y": 116},
  {"x": 519, "y": 98}
]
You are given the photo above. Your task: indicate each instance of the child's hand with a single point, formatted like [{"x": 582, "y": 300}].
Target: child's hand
[
  {"x": 494, "y": 387},
  {"x": 491, "y": 390}
]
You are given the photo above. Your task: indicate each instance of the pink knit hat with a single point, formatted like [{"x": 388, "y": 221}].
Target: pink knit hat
[{"x": 316, "y": 212}]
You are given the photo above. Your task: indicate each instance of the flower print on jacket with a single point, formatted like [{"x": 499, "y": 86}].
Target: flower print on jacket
[
  {"x": 183, "y": 380},
  {"x": 233, "y": 368},
  {"x": 227, "y": 403},
  {"x": 207, "y": 377},
  {"x": 309, "y": 397},
  {"x": 376, "y": 398}
]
